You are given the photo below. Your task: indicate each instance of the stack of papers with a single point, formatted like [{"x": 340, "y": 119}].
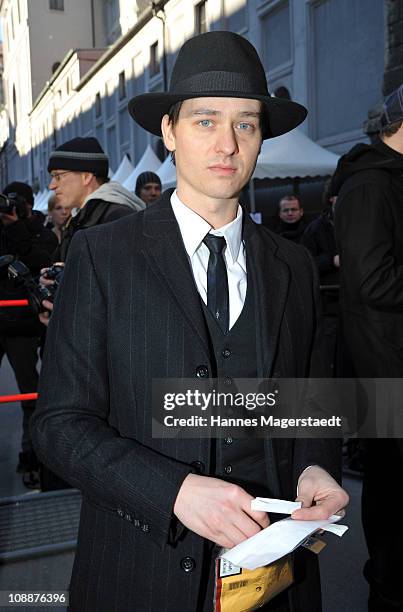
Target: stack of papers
[{"x": 280, "y": 538}]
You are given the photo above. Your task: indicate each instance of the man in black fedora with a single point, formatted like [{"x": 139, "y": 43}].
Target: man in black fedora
[{"x": 191, "y": 288}]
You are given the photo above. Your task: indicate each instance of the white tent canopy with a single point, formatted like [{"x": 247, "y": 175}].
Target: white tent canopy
[
  {"x": 294, "y": 155},
  {"x": 167, "y": 173},
  {"x": 41, "y": 200},
  {"x": 148, "y": 162},
  {"x": 124, "y": 170}
]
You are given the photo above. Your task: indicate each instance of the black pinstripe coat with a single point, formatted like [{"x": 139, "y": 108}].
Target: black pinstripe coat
[{"x": 128, "y": 311}]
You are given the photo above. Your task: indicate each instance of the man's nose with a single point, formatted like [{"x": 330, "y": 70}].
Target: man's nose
[
  {"x": 52, "y": 184},
  {"x": 226, "y": 141}
]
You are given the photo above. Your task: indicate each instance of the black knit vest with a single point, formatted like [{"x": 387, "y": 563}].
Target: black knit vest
[{"x": 239, "y": 460}]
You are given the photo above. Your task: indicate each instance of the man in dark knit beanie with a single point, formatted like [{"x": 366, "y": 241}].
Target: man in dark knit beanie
[
  {"x": 148, "y": 187},
  {"x": 79, "y": 178}
]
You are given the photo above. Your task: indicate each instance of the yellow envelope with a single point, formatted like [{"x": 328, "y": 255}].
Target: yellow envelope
[{"x": 242, "y": 590}]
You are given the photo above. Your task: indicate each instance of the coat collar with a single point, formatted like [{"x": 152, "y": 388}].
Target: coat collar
[{"x": 165, "y": 253}]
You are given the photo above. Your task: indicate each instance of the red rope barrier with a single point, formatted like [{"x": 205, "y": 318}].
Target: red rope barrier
[
  {"x": 6, "y": 303},
  {"x": 21, "y": 397}
]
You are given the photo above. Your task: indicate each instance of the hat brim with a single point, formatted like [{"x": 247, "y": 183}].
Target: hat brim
[{"x": 282, "y": 115}]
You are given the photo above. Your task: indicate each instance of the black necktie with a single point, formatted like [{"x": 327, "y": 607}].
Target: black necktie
[{"x": 217, "y": 281}]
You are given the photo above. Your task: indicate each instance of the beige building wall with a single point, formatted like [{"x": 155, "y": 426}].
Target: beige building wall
[{"x": 53, "y": 33}]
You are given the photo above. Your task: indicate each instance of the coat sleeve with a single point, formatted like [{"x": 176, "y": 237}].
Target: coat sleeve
[
  {"x": 365, "y": 229},
  {"x": 70, "y": 426}
]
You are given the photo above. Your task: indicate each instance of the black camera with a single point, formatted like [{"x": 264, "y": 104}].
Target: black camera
[
  {"x": 13, "y": 202},
  {"x": 36, "y": 293}
]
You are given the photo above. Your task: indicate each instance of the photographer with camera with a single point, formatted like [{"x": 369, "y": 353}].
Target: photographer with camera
[{"x": 23, "y": 236}]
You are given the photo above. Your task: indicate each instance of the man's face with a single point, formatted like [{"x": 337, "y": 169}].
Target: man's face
[
  {"x": 69, "y": 188},
  {"x": 290, "y": 211},
  {"x": 150, "y": 192},
  {"x": 216, "y": 143}
]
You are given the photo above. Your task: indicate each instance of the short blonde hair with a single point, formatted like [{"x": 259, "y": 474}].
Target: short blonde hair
[{"x": 52, "y": 203}]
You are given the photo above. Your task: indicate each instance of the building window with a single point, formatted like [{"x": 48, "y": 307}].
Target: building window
[
  {"x": 154, "y": 60},
  {"x": 200, "y": 18},
  {"x": 122, "y": 86},
  {"x": 111, "y": 12},
  {"x": 276, "y": 33},
  {"x": 56, "y": 5},
  {"x": 98, "y": 105}
]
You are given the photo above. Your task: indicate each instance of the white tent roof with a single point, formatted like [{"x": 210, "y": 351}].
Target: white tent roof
[
  {"x": 124, "y": 170},
  {"x": 294, "y": 155},
  {"x": 148, "y": 162},
  {"x": 167, "y": 173},
  {"x": 41, "y": 200}
]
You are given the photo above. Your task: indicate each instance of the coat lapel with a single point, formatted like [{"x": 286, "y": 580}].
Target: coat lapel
[
  {"x": 270, "y": 278},
  {"x": 166, "y": 255}
]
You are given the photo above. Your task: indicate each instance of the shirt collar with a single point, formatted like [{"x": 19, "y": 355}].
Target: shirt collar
[{"x": 194, "y": 228}]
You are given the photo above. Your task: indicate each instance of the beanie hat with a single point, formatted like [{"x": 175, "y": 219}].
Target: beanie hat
[
  {"x": 80, "y": 155},
  {"x": 392, "y": 109},
  {"x": 144, "y": 178},
  {"x": 21, "y": 189}
]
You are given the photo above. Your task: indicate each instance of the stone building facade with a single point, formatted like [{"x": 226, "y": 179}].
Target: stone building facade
[{"x": 326, "y": 54}]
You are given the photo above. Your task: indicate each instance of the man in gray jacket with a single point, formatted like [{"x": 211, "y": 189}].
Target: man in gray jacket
[{"x": 79, "y": 177}]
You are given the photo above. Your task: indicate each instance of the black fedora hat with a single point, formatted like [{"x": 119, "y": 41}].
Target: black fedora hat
[{"x": 217, "y": 64}]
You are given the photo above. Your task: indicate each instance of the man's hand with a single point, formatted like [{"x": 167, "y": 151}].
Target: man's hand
[
  {"x": 320, "y": 495},
  {"x": 218, "y": 510},
  {"x": 8, "y": 219},
  {"x": 45, "y": 282},
  {"x": 48, "y": 282},
  {"x": 44, "y": 317}
]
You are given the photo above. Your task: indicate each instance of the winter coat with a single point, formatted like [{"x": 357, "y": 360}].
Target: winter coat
[
  {"x": 108, "y": 203},
  {"x": 369, "y": 234},
  {"x": 320, "y": 241}
]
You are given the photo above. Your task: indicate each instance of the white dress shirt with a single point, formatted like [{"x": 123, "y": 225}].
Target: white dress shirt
[{"x": 193, "y": 229}]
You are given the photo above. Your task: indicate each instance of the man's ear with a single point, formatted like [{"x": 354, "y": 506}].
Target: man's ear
[
  {"x": 87, "y": 178},
  {"x": 168, "y": 134}
]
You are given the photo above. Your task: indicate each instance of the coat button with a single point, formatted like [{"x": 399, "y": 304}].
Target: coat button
[
  {"x": 202, "y": 371},
  {"x": 188, "y": 564},
  {"x": 198, "y": 466},
  {"x": 228, "y": 469},
  {"x": 228, "y": 440},
  {"x": 226, "y": 353},
  {"x": 145, "y": 528}
]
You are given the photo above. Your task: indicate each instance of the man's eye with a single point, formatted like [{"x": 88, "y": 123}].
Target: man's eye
[
  {"x": 245, "y": 126},
  {"x": 205, "y": 122}
]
